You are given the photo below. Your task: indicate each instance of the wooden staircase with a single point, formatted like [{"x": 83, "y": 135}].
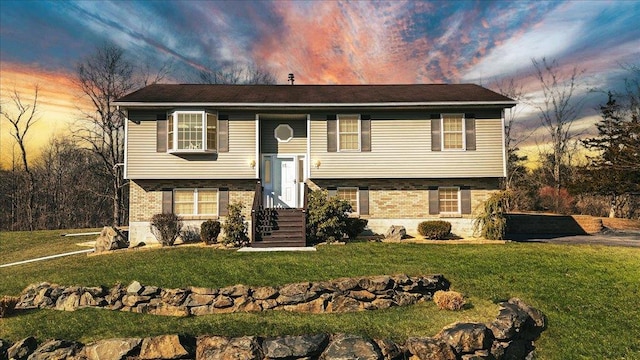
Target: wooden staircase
[
  {"x": 277, "y": 227},
  {"x": 280, "y": 228}
]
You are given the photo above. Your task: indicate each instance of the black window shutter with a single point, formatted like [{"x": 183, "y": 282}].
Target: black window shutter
[
  {"x": 465, "y": 200},
  {"x": 223, "y": 203},
  {"x": 363, "y": 201},
  {"x": 161, "y": 133},
  {"x": 167, "y": 201},
  {"x": 470, "y": 131},
  {"x": 365, "y": 133},
  {"x": 223, "y": 133},
  {"x": 332, "y": 133},
  {"x": 435, "y": 133},
  {"x": 434, "y": 201}
]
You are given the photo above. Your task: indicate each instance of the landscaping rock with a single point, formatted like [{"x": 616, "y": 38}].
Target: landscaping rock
[
  {"x": 167, "y": 347},
  {"x": 395, "y": 233},
  {"x": 264, "y": 292},
  {"x": 340, "y": 295},
  {"x": 344, "y": 347},
  {"x": 287, "y": 347},
  {"x": 466, "y": 338},
  {"x": 56, "y": 350},
  {"x": 390, "y": 350},
  {"x": 112, "y": 349},
  {"x": 4, "y": 346},
  {"x": 23, "y": 348},
  {"x": 110, "y": 239},
  {"x": 134, "y": 288},
  {"x": 221, "y": 348},
  {"x": 430, "y": 349}
]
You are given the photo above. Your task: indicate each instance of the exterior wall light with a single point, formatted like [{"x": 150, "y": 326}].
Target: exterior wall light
[
  {"x": 317, "y": 163},
  {"x": 252, "y": 164}
]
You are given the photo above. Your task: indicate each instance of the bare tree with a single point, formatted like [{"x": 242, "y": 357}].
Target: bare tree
[
  {"x": 22, "y": 119},
  {"x": 236, "y": 74},
  {"x": 513, "y": 133},
  {"x": 105, "y": 76},
  {"x": 557, "y": 111}
]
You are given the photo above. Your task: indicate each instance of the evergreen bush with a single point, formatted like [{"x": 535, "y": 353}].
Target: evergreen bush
[
  {"x": 235, "y": 228},
  {"x": 166, "y": 228},
  {"x": 435, "y": 229},
  {"x": 354, "y": 226},
  {"x": 209, "y": 231},
  {"x": 326, "y": 217},
  {"x": 491, "y": 223}
]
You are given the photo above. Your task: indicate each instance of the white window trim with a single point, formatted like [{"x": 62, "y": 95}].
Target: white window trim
[
  {"x": 357, "y": 208},
  {"x": 359, "y": 133},
  {"x": 195, "y": 201},
  {"x": 464, "y": 132},
  {"x": 275, "y": 133},
  {"x": 456, "y": 213},
  {"x": 203, "y": 148}
]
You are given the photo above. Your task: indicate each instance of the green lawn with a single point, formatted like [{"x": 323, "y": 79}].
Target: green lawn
[{"x": 590, "y": 294}]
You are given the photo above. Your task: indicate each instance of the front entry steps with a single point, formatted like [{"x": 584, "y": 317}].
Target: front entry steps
[{"x": 278, "y": 228}]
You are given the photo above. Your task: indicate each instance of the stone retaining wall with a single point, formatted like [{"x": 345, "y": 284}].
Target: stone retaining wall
[
  {"x": 509, "y": 336},
  {"x": 341, "y": 295}
]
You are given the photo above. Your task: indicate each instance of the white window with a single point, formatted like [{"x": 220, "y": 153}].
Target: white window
[
  {"x": 192, "y": 131},
  {"x": 453, "y": 132},
  {"x": 283, "y": 133},
  {"x": 449, "y": 200},
  {"x": 349, "y": 194},
  {"x": 195, "y": 201},
  {"x": 349, "y": 132}
]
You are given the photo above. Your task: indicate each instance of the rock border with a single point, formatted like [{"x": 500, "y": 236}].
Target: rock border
[
  {"x": 334, "y": 296},
  {"x": 510, "y": 336}
]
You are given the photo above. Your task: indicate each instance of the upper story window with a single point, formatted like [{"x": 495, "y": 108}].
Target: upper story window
[
  {"x": 349, "y": 194},
  {"x": 191, "y": 131},
  {"x": 349, "y": 132},
  {"x": 453, "y": 132}
]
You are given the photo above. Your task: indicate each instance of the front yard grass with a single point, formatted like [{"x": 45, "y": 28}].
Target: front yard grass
[{"x": 589, "y": 293}]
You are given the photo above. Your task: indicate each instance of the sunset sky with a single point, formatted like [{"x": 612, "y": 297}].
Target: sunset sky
[{"x": 322, "y": 42}]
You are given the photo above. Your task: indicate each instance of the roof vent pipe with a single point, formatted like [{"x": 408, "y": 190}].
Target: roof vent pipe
[{"x": 291, "y": 79}]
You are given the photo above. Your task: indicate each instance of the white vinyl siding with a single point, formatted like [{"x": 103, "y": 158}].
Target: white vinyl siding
[
  {"x": 144, "y": 162},
  {"x": 401, "y": 148}
]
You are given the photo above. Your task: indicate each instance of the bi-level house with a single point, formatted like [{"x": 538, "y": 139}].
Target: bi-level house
[{"x": 401, "y": 154}]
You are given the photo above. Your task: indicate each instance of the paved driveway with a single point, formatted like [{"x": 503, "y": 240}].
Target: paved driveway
[{"x": 628, "y": 238}]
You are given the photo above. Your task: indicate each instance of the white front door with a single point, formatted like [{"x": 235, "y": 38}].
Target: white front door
[{"x": 286, "y": 196}]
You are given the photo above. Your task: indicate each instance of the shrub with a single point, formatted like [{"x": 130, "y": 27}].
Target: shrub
[
  {"x": 435, "y": 230},
  {"x": 448, "y": 300},
  {"x": 492, "y": 221},
  {"x": 235, "y": 228},
  {"x": 562, "y": 203},
  {"x": 7, "y": 305},
  {"x": 326, "y": 217},
  {"x": 209, "y": 231},
  {"x": 166, "y": 228},
  {"x": 354, "y": 226},
  {"x": 190, "y": 234}
]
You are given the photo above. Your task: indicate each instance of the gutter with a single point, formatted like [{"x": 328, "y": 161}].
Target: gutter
[{"x": 318, "y": 105}]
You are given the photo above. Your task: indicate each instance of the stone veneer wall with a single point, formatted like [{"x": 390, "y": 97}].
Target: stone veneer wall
[
  {"x": 510, "y": 336},
  {"x": 341, "y": 295},
  {"x": 145, "y": 200},
  {"x": 406, "y": 201}
]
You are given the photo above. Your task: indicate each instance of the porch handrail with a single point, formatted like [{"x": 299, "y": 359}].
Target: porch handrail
[{"x": 255, "y": 207}]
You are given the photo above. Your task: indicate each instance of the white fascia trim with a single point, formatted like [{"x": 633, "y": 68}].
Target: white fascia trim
[
  {"x": 303, "y": 105},
  {"x": 126, "y": 144}
]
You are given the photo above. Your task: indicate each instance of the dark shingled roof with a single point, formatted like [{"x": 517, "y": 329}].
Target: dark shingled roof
[{"x": 313, "y": 94}]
